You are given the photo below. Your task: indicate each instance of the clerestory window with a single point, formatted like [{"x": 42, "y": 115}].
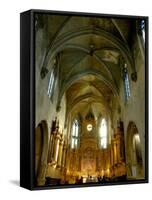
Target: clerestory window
[
  {"x": 51, "y": 83},
  {"x": 126, "y": 82}
]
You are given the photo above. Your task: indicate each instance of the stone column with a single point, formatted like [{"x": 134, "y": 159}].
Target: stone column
[
  {"x": 118, "y": 149},
  {"x": 41, "y": 176},
  {"x": 63, "y": 155},
  {"x": 97, "y": 161},
  {"x": 79, "y": 163},
  {"x": 60, "y": 153},
  {"x": 56, "y": 143},
  {"x": 67, "y": 158},
  {"x": 111, "y": 155},
  {"x": 51, "y": 146},
  {"x": 122, "y": 145},
  {"x": 115, "y": 152}
]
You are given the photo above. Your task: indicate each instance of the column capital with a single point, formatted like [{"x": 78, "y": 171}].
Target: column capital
[
  {"x": 44, "y": 72},
  {"x": 58, "y": 108},
  {"x": 134, "y": 76}
]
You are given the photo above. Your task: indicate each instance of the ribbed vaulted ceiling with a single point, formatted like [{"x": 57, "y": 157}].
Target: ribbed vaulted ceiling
[{"x": 89, "y": 51}]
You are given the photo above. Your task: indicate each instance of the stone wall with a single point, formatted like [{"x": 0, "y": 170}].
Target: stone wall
[
  {"x": 134, "y": 109},
  {"x": 46, "y": 107}
]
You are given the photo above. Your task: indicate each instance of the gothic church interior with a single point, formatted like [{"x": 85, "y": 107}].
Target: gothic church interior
[{"x": 90, "y": 99}]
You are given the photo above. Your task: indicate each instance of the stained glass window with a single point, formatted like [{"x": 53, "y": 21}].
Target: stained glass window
[
  {"x": 103, "y": 134},
  {"x": 51, "y": 84},
  {"x": 75, "y": 133},
  {"x": 126, "y": 82}
]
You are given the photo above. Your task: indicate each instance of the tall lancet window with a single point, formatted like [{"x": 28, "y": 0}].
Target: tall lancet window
[
  {"x": 75, "y": 134},
  {"x": 126, "y": 82},
  {"x": 142, "y": 27},
  {"x": 51, "y": 83},
  {"x": 103, "y": 134}
]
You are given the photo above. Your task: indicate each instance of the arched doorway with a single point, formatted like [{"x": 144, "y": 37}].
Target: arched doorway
[
  {"x": 134, "y": 153},
  {"x": 41, "y": 152}
]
